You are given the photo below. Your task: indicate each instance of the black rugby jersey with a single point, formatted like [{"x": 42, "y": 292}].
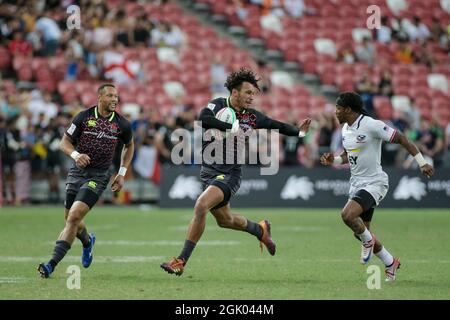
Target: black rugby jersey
[
  {"x": 249, "y": 119},
  {"x": 98, "y": 137}
]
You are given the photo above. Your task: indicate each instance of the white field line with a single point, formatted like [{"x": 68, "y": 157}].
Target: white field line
[
  {"x": 160, "y": 243},
  {"x": 137, "y": 259},
  {"x": 12, "y": 280},
  {"x": 301, "y": 229},
  {"x": 97, "y": 259},
  {"x": 103, "y": 227},
  {"x": 409, "y": 262},
  {"x": 280, "y": 228}
]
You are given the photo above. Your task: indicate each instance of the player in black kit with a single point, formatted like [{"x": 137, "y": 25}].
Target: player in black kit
[
  {"x": 222, "y": 180},
  {"x": 90, "y": 140}
]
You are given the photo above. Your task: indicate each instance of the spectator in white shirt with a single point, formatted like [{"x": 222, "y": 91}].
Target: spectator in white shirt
[
  {"x": 384, "y": 34},
  {"x": 41, "y": 105},
  {"x": 417, "y": 31},
  {"x": 366, "y": 52},
  {"x": 51, "y": 34},
  {"x": 295, "y": 8}
]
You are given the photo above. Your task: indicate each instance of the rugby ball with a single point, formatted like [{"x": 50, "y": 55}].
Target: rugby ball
[{"x": 225, "y": 115}]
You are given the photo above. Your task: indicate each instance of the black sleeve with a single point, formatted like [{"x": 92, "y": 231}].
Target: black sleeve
[
  {"x": 264, "y": 122},
  {"x": 74, "y": 131},
  {"x": 127, "y": 133},
  {"x": 209, "y": 121}
]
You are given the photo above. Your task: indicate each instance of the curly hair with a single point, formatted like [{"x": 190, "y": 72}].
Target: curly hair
[
  {"x": 352, "y": 100},
  {"x": 235, "y": 79}
]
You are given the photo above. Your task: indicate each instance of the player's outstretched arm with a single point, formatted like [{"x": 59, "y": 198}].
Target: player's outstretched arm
[
  {"x": 264, "y": 122},
  {"x": 127, "y": 155},
  {"x": 81, "y": 160},
  {"x": 327, "y": 159},
  {"x": 426, "y": 169}
]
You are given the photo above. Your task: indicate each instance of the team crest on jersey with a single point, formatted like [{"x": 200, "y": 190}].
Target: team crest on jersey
[
  {"x": 247, "y": 121},
  {"x": 114, "y": 127},
  {"x": 361, "y": 138},
  {"x": 91, "y": 123}
]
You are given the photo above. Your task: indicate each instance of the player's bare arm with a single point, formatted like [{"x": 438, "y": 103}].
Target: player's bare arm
[
  {"x": 127, "y": 155},
  {"x": 327, "y": 159},
  {"x": 426, "y": 169},
  {"x": 264, "y": 122},
  {"x": 81, "y": 160}
]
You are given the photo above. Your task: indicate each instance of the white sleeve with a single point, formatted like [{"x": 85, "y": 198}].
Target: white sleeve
[{"x": 382, "y": 131}]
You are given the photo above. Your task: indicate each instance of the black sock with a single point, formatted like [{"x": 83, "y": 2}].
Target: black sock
[
  {"x": 84, "y": 237},
  {"x": 189, "y": 246},
  {"x": 254, "y": 229},
  {"x": 59, "y": 252}
]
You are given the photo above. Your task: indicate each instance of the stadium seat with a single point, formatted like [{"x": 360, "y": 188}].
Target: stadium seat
[
  {"x": 24, "y": 73},
  {"x": 438, "y": 82},
  {"x": 325, "y": 46},
  {"x": 359, "y": 33},
  {"x": 401, "y": 103},
  {"x": 282, "y": 79},
  {"x": 5, "y": 58}
]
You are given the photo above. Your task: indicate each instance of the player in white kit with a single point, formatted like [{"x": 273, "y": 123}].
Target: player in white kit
[{"x": 362, "y": 137}]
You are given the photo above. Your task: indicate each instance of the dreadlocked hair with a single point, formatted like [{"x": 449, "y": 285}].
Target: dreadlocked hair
[{"x": 235, "y": 79}]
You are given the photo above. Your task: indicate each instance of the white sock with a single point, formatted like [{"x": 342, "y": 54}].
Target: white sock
[
  {"x": 385, "y": 256},
  {"x": 366, "y": 236}
]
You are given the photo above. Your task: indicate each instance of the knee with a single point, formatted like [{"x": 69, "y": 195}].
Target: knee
[
  {"x": 73, "y": 219},
  {"x": 200, "y": 208},
  {"x": 346, "y": 216}
]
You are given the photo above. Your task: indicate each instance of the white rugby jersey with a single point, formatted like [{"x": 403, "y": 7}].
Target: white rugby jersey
[{"x": 362, "y": 141}]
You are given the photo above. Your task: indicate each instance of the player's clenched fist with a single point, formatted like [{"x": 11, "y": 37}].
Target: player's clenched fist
[
  {"x": 82, "y": 160},
  {"x": 427, "y": 170},
  {"x": 327, "y": 159}
]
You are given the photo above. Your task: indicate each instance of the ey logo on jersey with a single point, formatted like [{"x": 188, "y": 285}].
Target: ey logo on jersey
[
  {"x": 353, "y": 160},
  {"x": 91, "y": 123}
]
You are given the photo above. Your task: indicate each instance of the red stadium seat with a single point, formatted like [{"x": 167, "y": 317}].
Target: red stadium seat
[
  {"x": 401, "y": 90},
  {"x": 380, "y": 102},
  {"x": 5, "y": 58},
  {"x": 24, "y": 73},
  {"x": 47, "y": 85},
  {"x": 89, "y": 98}
]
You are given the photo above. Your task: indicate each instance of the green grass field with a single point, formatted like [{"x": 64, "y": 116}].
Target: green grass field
[{"x": 317, "y": 256}]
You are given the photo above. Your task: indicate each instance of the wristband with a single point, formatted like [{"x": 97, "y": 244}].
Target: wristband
[
  {"x": 301, "y": 134},
  {"x": 122, "y": 171},
  {"x": 420, "y": 160},
  {"x": 74, "y": 155},
  {"x": 338, "y": 160}
]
